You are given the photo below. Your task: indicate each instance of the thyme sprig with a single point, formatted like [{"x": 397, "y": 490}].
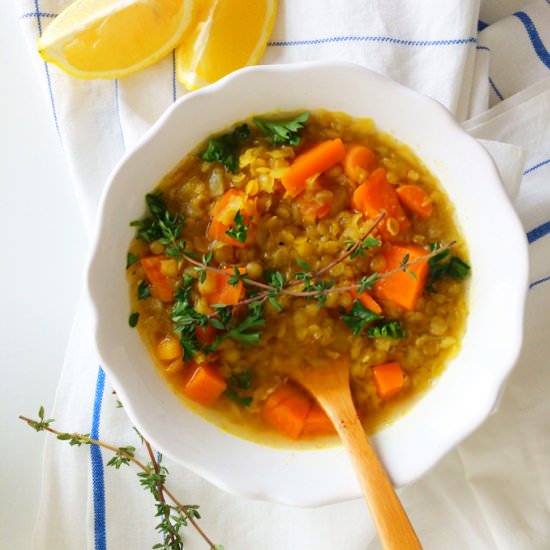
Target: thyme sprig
[{"x": 152, "y": 477}]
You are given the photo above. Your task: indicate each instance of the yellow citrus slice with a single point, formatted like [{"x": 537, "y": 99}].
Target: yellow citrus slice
[
  {"x": 230, "y": 34},
  {"x": 113, "y": 38}
]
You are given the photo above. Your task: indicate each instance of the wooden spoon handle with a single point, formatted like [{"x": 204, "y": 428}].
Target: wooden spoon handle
[{"x": 393, "y": 525}]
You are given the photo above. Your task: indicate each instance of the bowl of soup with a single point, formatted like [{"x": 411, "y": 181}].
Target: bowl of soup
[{"x": 290, "y": 216}]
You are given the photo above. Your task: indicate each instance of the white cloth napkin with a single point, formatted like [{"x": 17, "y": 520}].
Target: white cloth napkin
[{"x": 490, "y": 492}]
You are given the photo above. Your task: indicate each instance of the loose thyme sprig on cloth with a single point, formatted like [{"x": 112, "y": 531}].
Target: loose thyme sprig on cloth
[{"x": 173, "y": 517}]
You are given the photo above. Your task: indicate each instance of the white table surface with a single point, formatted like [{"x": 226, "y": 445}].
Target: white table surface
[{"x": 41, "y": 274}]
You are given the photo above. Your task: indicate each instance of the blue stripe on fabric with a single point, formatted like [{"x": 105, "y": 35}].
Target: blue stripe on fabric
[
  {"x": 495, "y": 89},
  {"x": 174, "y": 89},
  {"x": 539, "y": 47},
  {"x": 35, "y": 14},
  {"x": 98, "y": 480},
  {"x": 539, "y": 282},
  {"x": 38, "y": 15},
  {"x": 366, "y": 38},
  {"x": 117, "y": 106},
  {"x": 536, "y": 166},
  {"x": 481, "y": 25},
  {"x": 538, "y": 232}
]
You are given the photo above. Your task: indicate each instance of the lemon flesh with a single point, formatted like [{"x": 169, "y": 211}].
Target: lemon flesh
[
  {"x": 230, "y": 34},
  {"x": 113, "y": 38}
]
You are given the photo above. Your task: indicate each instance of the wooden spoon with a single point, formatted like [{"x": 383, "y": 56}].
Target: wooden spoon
[{"x": 329, "y": 384}]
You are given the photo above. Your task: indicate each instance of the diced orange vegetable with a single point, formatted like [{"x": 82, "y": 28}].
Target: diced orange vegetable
[
  {"x": 223, "y": 216},
  {"x": 317, "y": 422},
  {"x": 376, "y": 195},
  {"x": 367, "y": 300},
  {"x": 315, "y": 208},
  {"x": 205, "y": 384},
  {"x": 223, "y": 292},
  {"x": 206, "y": 335},
  {"x": 169, "y": 348},
  {"x": 389, "y": 379},
  {"x": 286, "y": 410},
  {"x": 402, "y": 288},
  {"x": 415, "y": 199},
  {"x": 358, "y": 162},
  {"x": 316, "y": 160},
  {"x": 161, "y": 285}
]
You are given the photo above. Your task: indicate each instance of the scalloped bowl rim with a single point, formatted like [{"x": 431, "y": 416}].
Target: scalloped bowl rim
[{"x": 443, "y": 417}]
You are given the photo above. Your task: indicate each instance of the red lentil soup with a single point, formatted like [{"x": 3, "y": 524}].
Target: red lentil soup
[{"x": 290, "y": 239}]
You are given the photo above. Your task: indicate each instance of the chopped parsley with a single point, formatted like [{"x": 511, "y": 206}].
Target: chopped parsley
[
  {"x": 445, "y": 265},
  {"x": 386, "y": 329},
  {"x": 283, "y": 132},
  {"x": 133, "y": 319},
  {"x": 235, "y": 384},
  {"x": 225, "y": 148},
  {"x": 358, "y": 317},
  {"x": 143, "y": 290},
  {"x": 239, "y": 230},
  {"x": 131, "y": 259}
]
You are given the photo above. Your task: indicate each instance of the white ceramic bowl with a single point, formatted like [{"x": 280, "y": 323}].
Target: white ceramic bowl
[{"x": 465, "y": 393}]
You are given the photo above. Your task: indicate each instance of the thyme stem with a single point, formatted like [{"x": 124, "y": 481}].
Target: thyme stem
[{"x": 85, "y": 439}]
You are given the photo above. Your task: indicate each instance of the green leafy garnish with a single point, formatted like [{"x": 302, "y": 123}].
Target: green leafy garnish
[
  {"x": 143, "y": 290},
  {"x": 131, "y": 259},
  {"x": 161, "y": 225},
  {"x": 304, "y": 265},
  {"x": 225, "y": 148},
  {"x": 445, "y": 265},
  {"x": 366, "y": 243},
  {"x": 246, "y": 332},
  {"x": 236, "y": 382},
  {"x": 186, "y": 319},
  {"x": 239, "y": 230},
  {"x": 386, "y": 329},
  {"x": 133, "y": 319},
  {"x": 366, "y": 283},
  {"x": 359, "y": 316},
  {"x": 283, "y": 132}
]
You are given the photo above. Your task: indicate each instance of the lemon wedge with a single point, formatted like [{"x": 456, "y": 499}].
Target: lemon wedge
[
  {"x": 114, "y": 38},
  {"x": 230, "y": 34}
]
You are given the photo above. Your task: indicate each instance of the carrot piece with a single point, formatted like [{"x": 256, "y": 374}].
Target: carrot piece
[
  {"x": 206, "y": 335},
  {"x": 317, "y": 422},
  {"x": 286, "y": 410},
  {"x": 318, "y": 159},
  {"x": 223, "y": 215},
  {"x": 205, "y": 385},
  {"x": 388, "y": 378},
  {"x": 223, "y": 292},
  {"x": 376, "y": 195},
  {"x": 359, "y": 160},
  {"x": 402, "y": 288},
  {"x": 367, "y": 300},
  {"x": 314, "y": 208},
  {"x": 161, "y": 285},
  {"x": 415, "y": 199}
]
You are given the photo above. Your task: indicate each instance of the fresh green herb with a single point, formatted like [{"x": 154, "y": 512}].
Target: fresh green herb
[
  {"x": 186, "y": 320},
  {"x": 366, "y": 244},
  {"x": 321, "y": 287},
  {"x": 386, "y": 329},
  {"x": 403, "y": 266},
  {"x": 444, "y": 265},
  {"x": 277, "y": 280},
  {"x": 161, "y": 226},
  {"x": 122, "y": 456},
  {"x": 283, "y": 132},
  {"x": 235, "y": 277},
  {"x": 275, "y": 303},
  {"x": 143, "y": 290},
  {"x": 133, "y": 319},
  {"x": 246, "y": 332},
  {"x": 359, "y": 316},
  {"x": 131, "y": 259},
  {"x": 366, "y": 283},
  {"x": 225, "y": 148},
  {"x": 239, "y": 230},
  {"x": 201, "y": 270},
  {"x": 237, "y": 382},
  {"x": 152, "y": 476},
  {"x": 304, "y": 265}
]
